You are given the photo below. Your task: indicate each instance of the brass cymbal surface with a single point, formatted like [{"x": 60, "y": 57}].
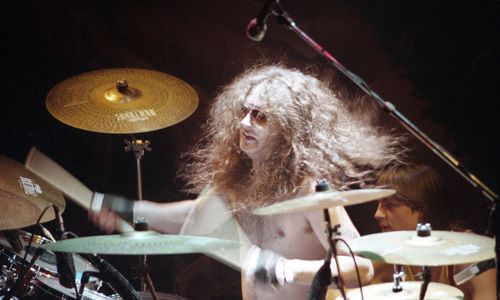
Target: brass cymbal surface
[
  {"x": 122, "y": 101},
  {"x": 439, "y": 249},
  {"x": 24, "y": 195},
  {"x": 322, "y": 200},
  {"x": 141, "y": 243},
  {"x": 17, "y": 212}
]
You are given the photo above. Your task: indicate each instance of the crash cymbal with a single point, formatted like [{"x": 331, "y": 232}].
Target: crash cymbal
[
  {"x": 25, "y": 195},
  {"x": 17, "y": 212},
  {"x": 439, "y": 249},
  {"x": 141, "y": 243},
  {"x": 122, "y": 101},
  {"x": 411, "y": 291},
  {"x": 322, "y": 200}
]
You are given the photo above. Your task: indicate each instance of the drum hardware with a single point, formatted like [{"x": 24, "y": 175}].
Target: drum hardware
[
  {"x": 397, "y": 277},
  {"x": 323, "y": 200},
  {"x": 441, "y": 248},
  {"x": 28, "y": 288},
  {"x": 18, "y": 286},
  {"x": 40, "y": 278},
  {"x": 424, "y": 230},
  {"x": 323, "y": 278},
  {"x": 23, "y": 288},
  {"x": 141, "y": 243},
  {"x": 121, "y": 101},
  {"x": 410, "y": 291},
  {"x": 138, "y": 147},
  {"x": 23, "y": 191},
  {"x": 425, "y": 248},
  {"x": 109, "y": 274}
]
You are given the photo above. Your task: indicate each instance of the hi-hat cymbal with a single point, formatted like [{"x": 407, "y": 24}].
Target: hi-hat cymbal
[
  {"x": 141, "y": 243},
  {"x": 322, "y": 200},
  {"x": 439, "y": 249},
  {"x": 122, "y": 101},
  {"x": 24, "y": 195},
  {"x": 411, "y": 291}
]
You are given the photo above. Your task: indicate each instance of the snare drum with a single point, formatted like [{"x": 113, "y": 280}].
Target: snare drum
[
  {"x": 51, "y": 286},
  {"x": 411, "y": 291},
  {"x": 41, "y": 273}
]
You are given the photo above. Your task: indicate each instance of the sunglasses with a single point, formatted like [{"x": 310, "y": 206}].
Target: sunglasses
[{"x": 256, "y": 115}]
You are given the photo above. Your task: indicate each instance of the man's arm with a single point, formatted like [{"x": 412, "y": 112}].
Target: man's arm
[
  {"x": 481, "y": 287},
  {"x": 162, "y": 217}
]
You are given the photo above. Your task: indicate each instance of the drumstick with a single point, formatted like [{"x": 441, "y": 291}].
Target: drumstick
[{"x": 56, "y": 175}]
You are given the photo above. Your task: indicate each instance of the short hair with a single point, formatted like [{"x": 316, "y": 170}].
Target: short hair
[{"x": 421, "y": 188}]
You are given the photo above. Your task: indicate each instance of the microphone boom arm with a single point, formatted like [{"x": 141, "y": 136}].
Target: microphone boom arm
[{"x": 388, "y": 107}]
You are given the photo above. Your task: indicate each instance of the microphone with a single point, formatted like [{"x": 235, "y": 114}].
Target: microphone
[
  {"x": 64, "y": 261},
  {"x": 256, "y": 28},
  {"x": 473, "y": 270},
  {"x": 13, "y": 238},
  {"x": 322, "y": 279},
  {"x": 108, "y": 273}
]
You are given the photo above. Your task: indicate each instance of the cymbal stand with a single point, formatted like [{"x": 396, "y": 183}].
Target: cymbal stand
[
  {"x": 138, "y": 147},
  {"x": 424, "y": 230},
  {"x": 323, "y": 277},
  {"x": 388, "y": 107},
  {"x": 426, "y": 277},
  {"x": 142, "y": 225},
  {"x": 397, "y": 278}
]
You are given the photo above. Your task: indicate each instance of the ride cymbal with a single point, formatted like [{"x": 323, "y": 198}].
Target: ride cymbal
[
  {"x": 122, "y": 101},
  {"x": 441, "y": 248},
  {"x": 24, "y": 195},
  {"x": 322, "y": 200},
  {"x": 141, "y": 243}
]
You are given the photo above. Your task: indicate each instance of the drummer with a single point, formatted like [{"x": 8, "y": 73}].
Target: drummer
[
  {"x": 420, "y": 198},
  {"x": 270, "y": 135}
]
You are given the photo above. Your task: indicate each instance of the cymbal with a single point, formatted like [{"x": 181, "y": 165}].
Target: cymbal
[
  {"x": 122, "y": 101},
  {"x": 141, "y": 243},
  {"x": 322, "y": 200},
  {"x": 411, "y": 291},
  {"x": 24, "y": 195},
  {"x": 439, "y": 249},
  {"x": 17, "y": 212}
]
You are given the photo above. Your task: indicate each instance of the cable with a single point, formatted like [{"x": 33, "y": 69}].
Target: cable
[
  {"x": 355, "y": 266},
  {"x": 25, "y": 268}
]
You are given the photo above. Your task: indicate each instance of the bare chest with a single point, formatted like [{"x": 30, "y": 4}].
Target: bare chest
[{"x": 290, "y": 235}]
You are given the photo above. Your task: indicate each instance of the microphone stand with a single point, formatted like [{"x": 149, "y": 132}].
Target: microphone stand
[{"x": 494, "y": 216}]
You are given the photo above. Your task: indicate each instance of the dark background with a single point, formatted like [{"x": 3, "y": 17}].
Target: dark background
[{"x": 437, "y": 61}]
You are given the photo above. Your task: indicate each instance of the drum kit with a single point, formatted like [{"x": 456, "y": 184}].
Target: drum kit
[
  {"x": 423, "y": 247},
  {"x": 127, "y": 101}
]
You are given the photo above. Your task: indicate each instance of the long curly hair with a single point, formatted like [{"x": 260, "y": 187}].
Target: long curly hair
[{"x": 320, "y": 139}]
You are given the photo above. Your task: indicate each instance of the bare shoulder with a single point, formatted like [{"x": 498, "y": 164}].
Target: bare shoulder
[{"x": 483, "y": 286}]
